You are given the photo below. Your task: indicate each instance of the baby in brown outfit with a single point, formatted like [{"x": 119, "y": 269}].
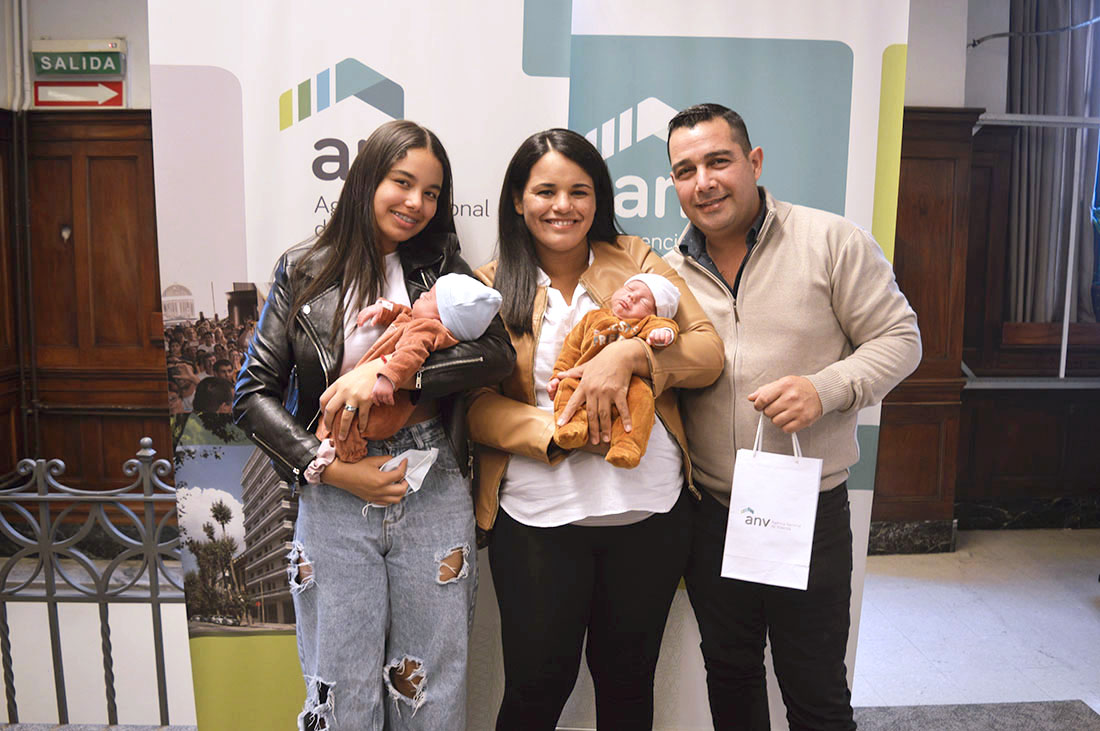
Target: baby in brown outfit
[
  {"x": 642, "y": 308},
  {"x": 456, "y": 308}
]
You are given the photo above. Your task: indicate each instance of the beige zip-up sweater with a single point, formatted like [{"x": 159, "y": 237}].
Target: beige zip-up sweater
[{"x": 817, "y": 299}]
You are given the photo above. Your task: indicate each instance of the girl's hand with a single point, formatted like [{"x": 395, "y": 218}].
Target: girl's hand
[
  {"x": 603, "y": 384},
  {"x": 552, "y": 386},
  {"x": 353, "y": 389},
  {"x": 366, "y": 481}
]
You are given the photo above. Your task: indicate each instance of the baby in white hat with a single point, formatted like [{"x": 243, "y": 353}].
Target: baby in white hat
[
  {"x": 456, "y": 308},
  {"x": 642, "y": 308}
]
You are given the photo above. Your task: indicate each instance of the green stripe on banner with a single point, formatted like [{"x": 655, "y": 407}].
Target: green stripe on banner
[
  {"x": 247, "y": 681},
  {"x": 304, "y": 101},
  {"x": 286, "y": 109},
  {"x": 891, "y": 108},
  {"x": 862, "y": 474}
]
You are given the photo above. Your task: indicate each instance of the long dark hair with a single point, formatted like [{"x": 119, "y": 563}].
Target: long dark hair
[
  {"x": 347, "y": 244},
  {"x": 517, "y": 260}
]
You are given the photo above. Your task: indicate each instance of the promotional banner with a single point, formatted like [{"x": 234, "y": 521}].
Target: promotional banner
[{"x": 259, "y": 109}]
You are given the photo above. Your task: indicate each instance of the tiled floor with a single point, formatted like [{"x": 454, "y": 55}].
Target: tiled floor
[{"x": 1010, "y": 616}]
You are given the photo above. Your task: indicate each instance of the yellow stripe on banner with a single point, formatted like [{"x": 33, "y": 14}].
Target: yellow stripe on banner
[
  {"x": 247, "y": 681},
  {"x": 286, "y": 109},
  {"x": 888, "y": 156}
]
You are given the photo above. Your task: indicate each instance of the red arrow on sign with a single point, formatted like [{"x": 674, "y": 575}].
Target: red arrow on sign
[{"x": 78, "y": 94}]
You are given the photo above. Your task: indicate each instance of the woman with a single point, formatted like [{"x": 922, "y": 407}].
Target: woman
[
  {"x": 383, "y": 596},
  {"x": 579, "y": 545}
]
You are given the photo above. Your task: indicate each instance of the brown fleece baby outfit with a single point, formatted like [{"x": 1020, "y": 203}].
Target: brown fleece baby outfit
[
  {"x": 590, "y": 336},
  {"x": 404, "y": 345}
]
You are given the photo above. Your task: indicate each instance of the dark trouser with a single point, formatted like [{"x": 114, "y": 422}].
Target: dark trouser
[
  {"x": 617, "y": 583},
  {"x": 808, "y": 629}
]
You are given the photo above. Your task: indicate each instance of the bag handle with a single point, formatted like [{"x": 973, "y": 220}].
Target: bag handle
[{"x": 756, "y": 445}]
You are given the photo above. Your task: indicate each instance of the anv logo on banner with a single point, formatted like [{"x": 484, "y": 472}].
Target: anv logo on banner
[
  {"x": 632, "y": 86},
  {"x": 352, "y": 78}
]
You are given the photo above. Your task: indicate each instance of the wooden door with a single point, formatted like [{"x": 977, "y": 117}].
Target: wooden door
[{"x": 94, "y": 295}]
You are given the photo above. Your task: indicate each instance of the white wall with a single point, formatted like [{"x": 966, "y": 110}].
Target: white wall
[
  {"x": 935, "y": 72},
  {"x": 96, "y": 19},
  {"x": 8, "y": 82},
  {"x": 987, "y": 65}
]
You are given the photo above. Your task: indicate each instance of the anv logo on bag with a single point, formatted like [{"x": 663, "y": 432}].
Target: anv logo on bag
[{"x": 752, "y": 519}]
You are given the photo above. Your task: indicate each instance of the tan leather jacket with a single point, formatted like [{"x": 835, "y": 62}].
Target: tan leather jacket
[{"x": 505, "y": 420}]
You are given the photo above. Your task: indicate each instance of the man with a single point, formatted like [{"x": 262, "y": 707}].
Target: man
[
  {"x": 223, "y": 369},
  {"x": 815, "y": 328},
  {"x": 206, "y": 364},
  {"x": 207, "y": 344},
  {"x": 186, "y": 380}
]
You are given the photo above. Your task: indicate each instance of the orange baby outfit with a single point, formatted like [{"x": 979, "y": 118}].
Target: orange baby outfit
[
  {"x": 405, "y": 345},
  {"x": 590, "y": 336}
]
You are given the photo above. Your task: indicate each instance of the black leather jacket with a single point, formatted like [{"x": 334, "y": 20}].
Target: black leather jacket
[{"x": 289, "y": 365}]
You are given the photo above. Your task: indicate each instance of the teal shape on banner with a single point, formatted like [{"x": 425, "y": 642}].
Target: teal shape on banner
[
  {"x": 356, "y": 79},
  {"x": 861, "y": 476},
  {"x": 795, "y": 96},
  {"x": 547, "y": 26}
]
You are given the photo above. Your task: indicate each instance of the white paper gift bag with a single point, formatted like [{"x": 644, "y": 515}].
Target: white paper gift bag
[{"x": 773, "y": 505}]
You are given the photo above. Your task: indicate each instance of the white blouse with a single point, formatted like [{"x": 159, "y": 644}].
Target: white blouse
[{"x": 583, "y": 488}]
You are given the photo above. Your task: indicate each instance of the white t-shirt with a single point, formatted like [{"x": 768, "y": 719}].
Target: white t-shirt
[
  {"x": 583, "y": 487},
  {"x": 358, "y": 340}
]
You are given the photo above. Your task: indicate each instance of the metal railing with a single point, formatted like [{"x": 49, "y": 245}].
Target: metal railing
[{"x": 47, "y": 550}]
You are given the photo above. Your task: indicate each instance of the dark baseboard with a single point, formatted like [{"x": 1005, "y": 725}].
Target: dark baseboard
[
  {"x": 1081, "y": 511},
  {"x": 911, "y": 536}
]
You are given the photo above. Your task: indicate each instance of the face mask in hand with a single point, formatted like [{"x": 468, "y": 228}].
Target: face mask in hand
[{"x": 420, "y": 461}]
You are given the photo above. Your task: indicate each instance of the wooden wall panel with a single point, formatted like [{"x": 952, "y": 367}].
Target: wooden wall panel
[
  {"x": 918, "y": 450},
  {"x": 11, "y": 432},
  {"x": 8, "y": 354},
  {"x": 117, "y": 316},
  {"x": 10, "y": 446},
  {"x": 1082, "y": 456},
  {"x": 1030, "y": 444},
  {"x": 122, "y": 270},
  {"x": 928, "y": 214},
  {"x": 97, "y": 290},
  {"x": 918, "y": 440},
  {"x": 53, "y": 261},
  {"x": 96, "y": 446}
]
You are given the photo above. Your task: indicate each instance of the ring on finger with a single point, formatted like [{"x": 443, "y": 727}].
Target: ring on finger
[{"x": 350, "y": 407}]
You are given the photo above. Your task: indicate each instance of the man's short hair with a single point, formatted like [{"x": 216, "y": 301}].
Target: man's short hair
[{"x": 698, "y": 113}]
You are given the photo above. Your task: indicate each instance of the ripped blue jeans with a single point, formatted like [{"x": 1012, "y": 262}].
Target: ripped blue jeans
[{"x": 385, "y": 598}]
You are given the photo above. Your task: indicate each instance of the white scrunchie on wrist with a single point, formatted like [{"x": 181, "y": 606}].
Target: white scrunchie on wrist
[{"x": 326, "y": 455}]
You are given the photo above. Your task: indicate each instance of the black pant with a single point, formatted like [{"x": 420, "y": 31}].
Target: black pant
[
  {"x": 617, "y": 583},
  {"x": 808, "y": 629}
]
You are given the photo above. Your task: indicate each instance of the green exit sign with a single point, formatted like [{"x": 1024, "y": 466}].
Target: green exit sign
[{"x": 78, "y": 63}]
